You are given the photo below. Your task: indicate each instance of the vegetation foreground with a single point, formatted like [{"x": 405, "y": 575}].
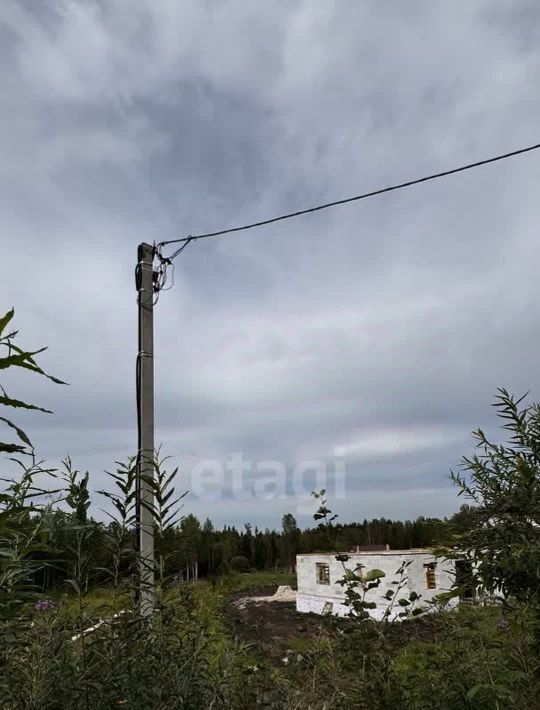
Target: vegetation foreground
[{"x": 203, "y": 652}]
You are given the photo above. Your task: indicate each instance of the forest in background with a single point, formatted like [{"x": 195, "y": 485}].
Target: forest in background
[{"x": 193, "y": 550}]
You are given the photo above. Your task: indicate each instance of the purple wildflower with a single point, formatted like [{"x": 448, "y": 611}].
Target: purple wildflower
[
  {"x": 503, "y": 625},
  {"x": 44, "y": 605}
]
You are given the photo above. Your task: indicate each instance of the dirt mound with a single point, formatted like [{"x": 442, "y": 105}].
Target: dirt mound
[{"x": 283, "y": 593}]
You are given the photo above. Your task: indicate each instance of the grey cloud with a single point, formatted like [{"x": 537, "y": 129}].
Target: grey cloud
[{"x": 402, "y": 313}]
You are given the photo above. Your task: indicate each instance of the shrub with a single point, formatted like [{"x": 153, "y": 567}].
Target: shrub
[
  {"x": 503, "y": 482},
  {"x": 240, "y": 564},
  {"x": 470, "y": 667}
]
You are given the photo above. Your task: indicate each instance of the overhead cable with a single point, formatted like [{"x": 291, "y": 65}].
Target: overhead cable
[{"x": 184, "y": 241}]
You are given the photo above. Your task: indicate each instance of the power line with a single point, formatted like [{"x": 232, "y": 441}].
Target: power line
[{"x": 184, "y": 241}]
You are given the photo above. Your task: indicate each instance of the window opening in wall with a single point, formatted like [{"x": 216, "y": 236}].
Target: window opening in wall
[
  {"x": 323, "y": 573},
  {"x": 429, "y": 569}
]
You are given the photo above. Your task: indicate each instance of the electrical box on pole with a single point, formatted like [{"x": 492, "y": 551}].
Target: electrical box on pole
[{"x": 145, "y": 413}]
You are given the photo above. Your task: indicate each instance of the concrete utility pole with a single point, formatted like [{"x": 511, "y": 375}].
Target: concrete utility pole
[{"x": 145, "y": 408}]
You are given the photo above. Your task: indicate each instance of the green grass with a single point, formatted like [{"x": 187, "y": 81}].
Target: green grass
[
  {"x": 237, "y": 581},
  {"x": 97, "y": 603},
  {"x": 101, "y": 598}
]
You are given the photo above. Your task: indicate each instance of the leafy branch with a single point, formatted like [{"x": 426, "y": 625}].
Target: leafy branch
[{"x": 16, "y": 357}]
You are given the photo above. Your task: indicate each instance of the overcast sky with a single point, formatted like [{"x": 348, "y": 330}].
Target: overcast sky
[{"x": 376, "y": 333}]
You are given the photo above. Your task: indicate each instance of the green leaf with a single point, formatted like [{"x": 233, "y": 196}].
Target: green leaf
[
  {"x": 11, "y": 361},
  {"x": 473, "y": 692},
  {"x": 374, "y": 574},
  {"x": 9, "y": 402},
  {"x": 73, "y": 583},
  {"x": 12, "y": 448},
  {"x": 20, "y": 433},
  {"x": 403, "y": 602},
  {"x": 26, "y": 360},
  {"x": 374, "y": 585},
  {"x": 4, "y": 320},
  {"x": 37, "y": 369}
]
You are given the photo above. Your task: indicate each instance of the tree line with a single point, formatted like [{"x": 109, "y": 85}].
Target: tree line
[
  {"x": 217, "y": 550},
  {"x": 193, "y": 549}
]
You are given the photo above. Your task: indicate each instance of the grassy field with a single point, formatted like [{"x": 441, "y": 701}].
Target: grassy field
[
  {"x": 236, "y": 582},
  {"x": 304, "y": 661}
]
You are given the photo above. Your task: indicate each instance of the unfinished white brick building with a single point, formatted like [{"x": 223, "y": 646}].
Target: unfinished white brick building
[{"x": 318, "y": 573}]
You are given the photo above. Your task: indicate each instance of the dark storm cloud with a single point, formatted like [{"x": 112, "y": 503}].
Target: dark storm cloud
[{"x": 377, "y": 333}]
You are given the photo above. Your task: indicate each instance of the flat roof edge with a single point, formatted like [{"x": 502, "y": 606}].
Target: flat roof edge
[{"x": 414, "y": 551}]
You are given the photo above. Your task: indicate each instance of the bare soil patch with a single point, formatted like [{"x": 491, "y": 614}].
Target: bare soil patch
[
  {"x": 270, "y": 627},
  {"x": 275, "y": 630}
]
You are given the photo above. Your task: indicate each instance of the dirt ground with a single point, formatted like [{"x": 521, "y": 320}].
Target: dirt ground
[{"x": 273, "y": 629}]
